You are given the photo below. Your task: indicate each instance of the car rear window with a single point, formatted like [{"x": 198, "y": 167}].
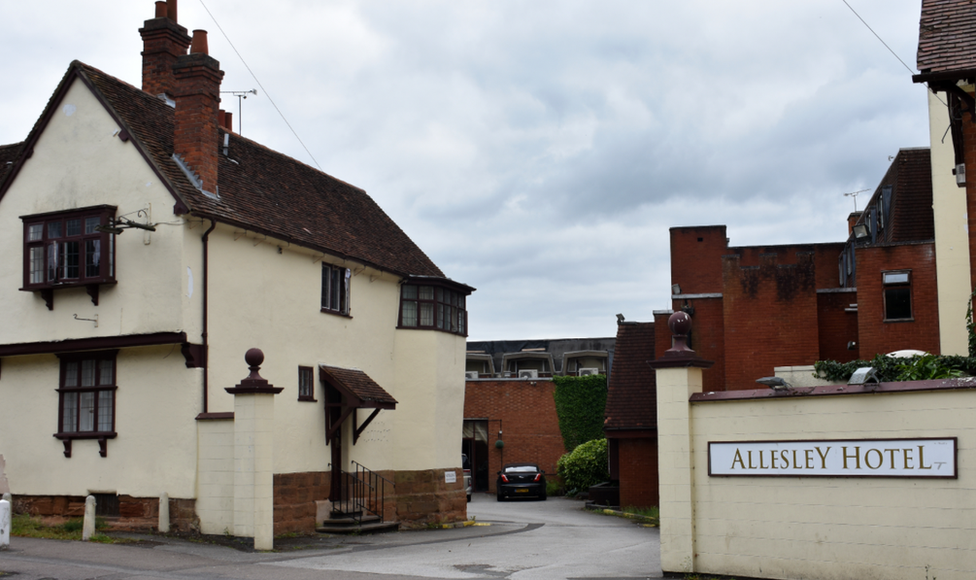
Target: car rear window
[{"x": 522, "y": 469}]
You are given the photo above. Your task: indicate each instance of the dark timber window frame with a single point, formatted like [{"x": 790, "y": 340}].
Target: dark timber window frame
[
  {"x": 306, "y": 384},
  {"x": 430, "y": 305},
  {"x": 86, "y": 398},
  {"x": 63, "y": 250},
  {"x": 335, "y": 289},
  {"x": 897, "y": 288}
]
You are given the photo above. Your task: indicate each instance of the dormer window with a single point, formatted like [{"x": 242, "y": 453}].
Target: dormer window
[{"x": 64, "y": 249}]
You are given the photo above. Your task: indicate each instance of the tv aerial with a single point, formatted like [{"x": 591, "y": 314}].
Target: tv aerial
[{"x": 241, "y": 95}]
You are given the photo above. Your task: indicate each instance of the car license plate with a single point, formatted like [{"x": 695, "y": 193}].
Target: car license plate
[{"x": 522, "y": 490}]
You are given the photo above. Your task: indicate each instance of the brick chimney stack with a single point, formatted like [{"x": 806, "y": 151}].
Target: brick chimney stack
[
  {"x": 164, "y": 41},
  {"x": 196, "y": 137}
]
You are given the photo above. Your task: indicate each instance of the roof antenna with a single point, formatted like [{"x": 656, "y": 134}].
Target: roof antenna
[
  {"x": 854, "y": 195},
  {"x": 241, "y": 95}
]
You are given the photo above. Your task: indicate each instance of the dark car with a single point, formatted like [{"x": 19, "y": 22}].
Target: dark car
[{"x": 521, "y": 480}]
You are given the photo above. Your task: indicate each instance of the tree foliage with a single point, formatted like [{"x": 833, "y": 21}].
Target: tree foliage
[
  {"x": 580, "y": 403},
  {"x": 585, "y": 466}
]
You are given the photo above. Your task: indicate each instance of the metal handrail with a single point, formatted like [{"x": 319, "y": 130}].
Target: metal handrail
[{"x": 364, "y": 491}]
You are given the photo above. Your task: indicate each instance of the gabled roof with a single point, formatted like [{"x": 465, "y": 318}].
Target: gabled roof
[
  {"x": 632, "y": 392},
  {"x": 946, "y": 38},
  {"x": 259, "y": 189}
]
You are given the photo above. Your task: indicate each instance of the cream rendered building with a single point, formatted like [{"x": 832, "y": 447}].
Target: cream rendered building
[{"x": 154, "y": 247}]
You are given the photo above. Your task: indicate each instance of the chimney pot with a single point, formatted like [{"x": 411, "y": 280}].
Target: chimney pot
[
  {"x": 161, "y": 9},
  {"x": 228, "y": 120},
  {"x": 171, "y": 10},
  {"x": 199, "y": 43}
]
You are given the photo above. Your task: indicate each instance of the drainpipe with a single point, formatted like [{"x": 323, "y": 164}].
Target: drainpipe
[{"x": 206, "y": 339}]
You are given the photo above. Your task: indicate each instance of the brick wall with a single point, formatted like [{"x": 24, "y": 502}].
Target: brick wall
[
  {"x": 525, "y": 411},
  {"x": 836, "y": 326},
  {"x": 637, "y": 469},
  {"x": 770, "y": 314},
  {"x": 695, "y": 255},
  {"x": 876, "y": 335},
  {"x": 135, "y": 513},
  {"x": 295, "y": 495},
  {"x": 707, "y": 336}
]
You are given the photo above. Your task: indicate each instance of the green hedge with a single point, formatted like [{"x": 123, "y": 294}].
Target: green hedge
[
  {"x": 580, "y": 403},
  {"x": 890, "y": 369},
  {"x": 585, "y": 466}
]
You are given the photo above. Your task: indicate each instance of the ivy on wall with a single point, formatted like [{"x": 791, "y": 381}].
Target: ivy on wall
[{"x": 580, "y": 403}]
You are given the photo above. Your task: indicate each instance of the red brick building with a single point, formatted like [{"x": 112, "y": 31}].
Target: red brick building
[
  {"x": 631, "y": 415},
  {"x": 759, "y": 307}
]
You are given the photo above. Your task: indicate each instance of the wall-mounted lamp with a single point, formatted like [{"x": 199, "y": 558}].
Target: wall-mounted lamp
[
  {"x": 676, "y": 289},
  {"x": 867, "y": 376},
  {"x": 775, "y": 383},
  {"x": 861, "y": 231}
]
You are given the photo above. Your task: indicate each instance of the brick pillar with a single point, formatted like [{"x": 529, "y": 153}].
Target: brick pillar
[
  {"x": 253, "y": 455},
  {"x": 196, "y": 137},
  {"x": 679, "y": 375},
  {"x": 163, "y": 42}
]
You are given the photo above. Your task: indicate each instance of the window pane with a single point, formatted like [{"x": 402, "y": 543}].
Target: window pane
[
  {"x": 54, "y": 229},
  {"x": 426, "y": 314},
  {"x": 461, "y": 321},
  {"x": 426, "y": 292},
  {"x": 91, "y": 223},
  {"x": 409, "y": 292},
  {"x": 86, "y": 415},
  {"x": 52, "y": 262},
  {"x": 73, "y": 227},
  {"x": 71, "y": 259},
  {"x": 105, "y": 372},
  {"x": 88, "y": 373},
  {"x": 440, "y": 294},
  {"x": 334, "y": 289},
  {"x": 35, "y": 232},
  {"x": 93, "y": 257},
  {"x": 326, "y": 278},
  {"x": 111, "y": 256},
  {"x": 70, "y": 412},
  {"x": 105, "y": 404},
  {"x": 36, "y": 264},
  {"x": 896, "y": 277},
  {"x": 409, "y": 313},
  {"x": 71, "y": 374},
  {"x": 441, "y": 317},
  {"x": 898, "y": 303}
]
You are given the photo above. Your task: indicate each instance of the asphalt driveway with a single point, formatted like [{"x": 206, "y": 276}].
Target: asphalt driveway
[{"x": 521, "y": 540}]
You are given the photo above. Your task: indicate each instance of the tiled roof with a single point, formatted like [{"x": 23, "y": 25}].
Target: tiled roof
[
  {"x": 358, "y": 384},
  {"x": 947, "y": 36},
  {"x": 910, "y": 217},
  {"x": 631, "y": 400},
  {"x": 259, "y": 189}
]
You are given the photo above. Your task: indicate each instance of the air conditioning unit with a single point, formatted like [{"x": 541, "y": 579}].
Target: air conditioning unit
[
  {"x": 529, "y": 374},
  {"x": 588, "y": 371},
  {"x": 471, "y": 374}
]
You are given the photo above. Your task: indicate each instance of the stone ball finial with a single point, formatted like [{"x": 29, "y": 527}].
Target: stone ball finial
[
  {"x": 680, "y": 323},
  {"x": 254, "y": 357}
]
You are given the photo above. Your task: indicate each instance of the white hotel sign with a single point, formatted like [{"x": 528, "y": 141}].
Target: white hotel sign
[{"x": 835, "y": 458}]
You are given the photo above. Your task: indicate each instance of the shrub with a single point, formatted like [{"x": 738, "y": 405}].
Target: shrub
[
  {"x": 585, "y": 466},
  {"x": 890, "y": 369}
]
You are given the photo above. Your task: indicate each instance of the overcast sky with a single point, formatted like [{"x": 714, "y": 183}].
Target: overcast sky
[{"x": 540, "y": 150}]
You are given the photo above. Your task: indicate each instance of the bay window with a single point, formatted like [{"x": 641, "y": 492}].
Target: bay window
[{"x": 433, "y": 306}]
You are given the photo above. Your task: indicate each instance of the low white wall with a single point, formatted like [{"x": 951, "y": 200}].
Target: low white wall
[
  {"x": 215, "y": 476},
  {"x": 855, "y": 528}
]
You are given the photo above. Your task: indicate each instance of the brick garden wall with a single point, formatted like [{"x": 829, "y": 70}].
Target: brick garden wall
[
  {"x": 135, "y": 513},
  {"x": 525, "y": 411}
]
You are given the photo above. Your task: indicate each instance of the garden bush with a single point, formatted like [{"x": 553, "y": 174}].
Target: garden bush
[{"x": 585, "y": 466}]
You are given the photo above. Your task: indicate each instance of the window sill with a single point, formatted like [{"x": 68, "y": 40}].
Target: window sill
[
  {"x": 335, "y": 313},
  {"x": 102, "y": 437},
  {"x": 91, "y": 286},
  {"x": 886, "y": 320},
  {"x": 428, "y": 328},
  {"x": 307, "y": 400}
]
